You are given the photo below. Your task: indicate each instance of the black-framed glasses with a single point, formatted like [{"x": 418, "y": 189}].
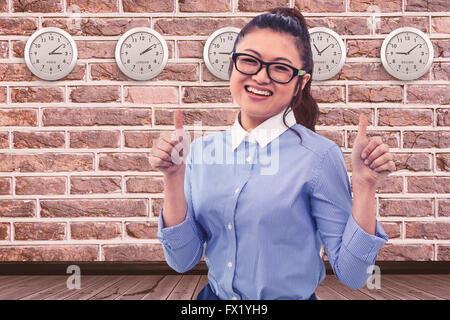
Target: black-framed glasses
[{"x": 277, "y": 71}]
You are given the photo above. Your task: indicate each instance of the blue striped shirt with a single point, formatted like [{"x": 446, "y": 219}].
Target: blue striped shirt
[{"x": 264, "y": 204}]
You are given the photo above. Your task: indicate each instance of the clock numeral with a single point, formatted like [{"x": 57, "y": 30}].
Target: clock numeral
[{"x": 37, "y": 45}]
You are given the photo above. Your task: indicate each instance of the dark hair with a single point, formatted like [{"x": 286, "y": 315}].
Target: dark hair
[{"x": 290, "y": 21}]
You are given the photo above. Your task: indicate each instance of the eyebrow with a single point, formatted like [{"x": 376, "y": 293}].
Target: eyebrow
[{"x": 276, "y": 59}]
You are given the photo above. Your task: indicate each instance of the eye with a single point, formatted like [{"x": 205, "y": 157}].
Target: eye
[
  {"x": 249, "y": 60},
  {"x": 281, "y": 68}
]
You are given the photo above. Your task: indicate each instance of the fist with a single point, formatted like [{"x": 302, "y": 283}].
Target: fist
[{"x": 170, "y": 150}]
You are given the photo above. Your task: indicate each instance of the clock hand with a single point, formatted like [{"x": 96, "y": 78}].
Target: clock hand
[
  {"x": 412, "y": 49},
  {"x": 317, "y": 49},
  {"x": 223, "y": 52},
  {"x": 148, "y": 49},
  {"x": 325, "y": 49},
  {"x": 53, "y": 52}
]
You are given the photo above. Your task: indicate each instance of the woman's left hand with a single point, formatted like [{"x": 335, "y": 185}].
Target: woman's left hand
[{"x": 371, "y": 159}]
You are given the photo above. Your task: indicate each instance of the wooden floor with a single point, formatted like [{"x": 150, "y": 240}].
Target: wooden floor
[{"x": 186, "y": 287}]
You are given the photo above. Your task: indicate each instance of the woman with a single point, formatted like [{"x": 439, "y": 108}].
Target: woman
[{"x": 263, "y": 221}]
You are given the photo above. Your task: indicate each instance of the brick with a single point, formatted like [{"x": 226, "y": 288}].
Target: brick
[
  {"x": 18, "y": 117},
  {"x": 413, "y": 162},
  {"x": 4, "y": 49},
  {"x": 15, "y": 72},
  {"x": 428, "y": 230},
  {"x": 363, "y": 71},
  {"x": 95, "y": 230},
  {"x": 208, "y": 76},
  {"x": 196, "y": 26},
  {"x": 392, "y": 229},
  {"x": 428, "y": 184},
  {"x": 18, "y": 48},
  {"x": 3, "y": 5},
  {"x": 405, "y": 252},
  {"x": 261, "y": 5},
  {"x": 95, "y": 139},
  {"x": 37, "y": 6},
  {"x": 107, "y": 71},
  {"x": 204, "y": 6},
  {"x": 17, "y": 208},
  {"x": 148, "y": 6},
  {"x": 391, "y": 138},
  {"x": 328, "y": 94},
  {"x": 95, "y": 49},
  {"x": 151, "y": 95},
  {"x": 441, "y": 71},
  {"x": 144, "y": 185},
  {"x": 363, "y": 48},
  {"x": 95, "y": 185},
  {"x": 39, "y": 231},
  {"x": 441, "y": 48},
  {"x": 214, "y": 117},
  {"x": 179, "y": 72},
  {"x": 440, "y": 24},
  {"x": 443, "y": 207},
  {"x": 443, "y": 162},
  {"x": 335, "y": 136},
  {"x": 139, "y": 139},
  {"x": 372, "y": 5},
  {"x": 134, "y": 252},
  {"x": 73, "y": 208},
  {"x": 443, "y": 252},
  {"x": 207, "y": 95},
  {"x": 375, "y": 94},
  {"x": 18, "y": 26},
  {"x": 427, "y": 139},
  {"x": 406, "y": 208},
  {"x": 142, "y": 230},
  {"x": 320, "y": 6},
  {"x": 85, "y": 94},
  {"x": 388, "y": 24},
  {"x": 36, "y": 140},
  {"x": 405, "y": 117},
  {"x": 93, "y": 5},
  {"x": 190, "y": 49},
  {"x": 37, "y": 94},
  {"x": 4, "y": 231},
  {"x": 95, "y": 116},
  {"x": 342, "y": 116},
  {"x": 157, "y": 205},
  {"x": 46, "y": 162},
  {"x": 390, "y": 184},
  {"x": 343, "y": 26},
  {"x": 34, "y": 185},
  {"x": 427, "y": 6},
  {"x": 428, "y": 94},
  {"x": 49, "y": 253},
  {"x": 5, "y": 186},
  {"x": 4, "y": 140},
  {"x": 3, "y": 94},
  {"x": 77, "y": 73},
  {"x": 124, "y": 162},
  {"x": 443, "y": 117}
]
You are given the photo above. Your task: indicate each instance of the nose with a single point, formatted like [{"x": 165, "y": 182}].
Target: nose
[{"x": 262, "y": 76}]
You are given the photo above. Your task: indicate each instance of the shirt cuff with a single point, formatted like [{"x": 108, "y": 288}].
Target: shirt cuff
[
  {"x": 361, "y": 244},
  {"x": 176, "y": 236}
]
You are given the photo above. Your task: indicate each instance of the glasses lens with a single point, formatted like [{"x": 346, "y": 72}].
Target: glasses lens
[
  {"x": 280, "y": 73},
  {"x": 247, "y": 64}
]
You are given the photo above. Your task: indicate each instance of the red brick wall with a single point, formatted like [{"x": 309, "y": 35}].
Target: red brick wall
[{"x": 75, "y": 180}]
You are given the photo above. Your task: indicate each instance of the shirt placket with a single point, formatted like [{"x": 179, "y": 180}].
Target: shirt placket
[{"x": 246, "y": 153}]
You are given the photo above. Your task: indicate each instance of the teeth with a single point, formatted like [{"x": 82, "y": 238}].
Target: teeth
[{"x": 260, "y": 92}]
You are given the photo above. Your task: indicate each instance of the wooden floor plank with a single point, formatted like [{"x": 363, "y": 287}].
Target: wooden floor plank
[
  {"x": 91, "y": 290},
  {"x": 28, "y": 287},
  {"x": 423, "y": 285},
  {"x": 143, "y": 287},
  {"x": 347, "y": 292},
  {"x": 14, "y": 280},
  {"x": 163, "y": 288},
  {"x": 440, "y": 280},
  {"x": 117, "y": 289},
  {"x": 403, "y": 291},
  {"x": 185, "y": 288},
  {"x": 201, "y": 284}
]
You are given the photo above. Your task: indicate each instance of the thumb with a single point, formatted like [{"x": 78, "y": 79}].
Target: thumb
[
  {"x": 178, "y": 119},
  {"x": 362, "y": 127}
]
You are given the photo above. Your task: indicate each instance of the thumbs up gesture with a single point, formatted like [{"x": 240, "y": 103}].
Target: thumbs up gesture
[
  {"x": 170, "y": 150},
  {"x": 371, "y": 159}
]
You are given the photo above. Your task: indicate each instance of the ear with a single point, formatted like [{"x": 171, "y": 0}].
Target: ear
[{"x": 305, "y": 80}]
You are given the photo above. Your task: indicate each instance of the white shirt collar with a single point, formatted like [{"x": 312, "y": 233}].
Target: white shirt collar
[{"x": 264, "y": 133}]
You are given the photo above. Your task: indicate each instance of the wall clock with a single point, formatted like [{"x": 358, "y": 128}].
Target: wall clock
[
  {"x": 407, "y": 53},
  {"x": 217, "y": 51},
  {"x": 141, "y": 53},
  {"x": 50, "y": 53},
  {"x": 329, "y": 53}
]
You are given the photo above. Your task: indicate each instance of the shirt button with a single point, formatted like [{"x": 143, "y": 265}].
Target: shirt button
[
  {"x": 230, "y": 264},
  {"x": 249, "y": 159},
  {"x": 230, "y": 226},
  {"x": 234, "y": 298},
  {"x": 237, "y": 190}
]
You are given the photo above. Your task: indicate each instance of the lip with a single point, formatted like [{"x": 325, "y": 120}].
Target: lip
[{"x": 256, "y": 96}]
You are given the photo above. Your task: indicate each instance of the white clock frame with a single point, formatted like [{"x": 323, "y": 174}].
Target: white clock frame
[
  {"x": 342, "y": 47},
  {"x": 135, "y": 76},
  {"x": 209, "y": 65},
  {"x": 400, "y": 75},
  {"x": 43, "y": 75}
]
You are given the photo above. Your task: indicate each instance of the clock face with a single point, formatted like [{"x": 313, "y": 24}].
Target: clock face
[
  {"x": 50, "y": 53},
  {"x": 141, "y": 53},
  {"x": 218, "y": 49},
  {"x": 407, "y": 53},
  {"x": 328, "y": 53}
]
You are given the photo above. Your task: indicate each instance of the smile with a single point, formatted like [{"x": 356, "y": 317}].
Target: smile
[{"x": 258, "y": 92}]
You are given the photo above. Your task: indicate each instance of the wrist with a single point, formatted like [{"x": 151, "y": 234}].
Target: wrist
[{"x": 362, "y": 185}]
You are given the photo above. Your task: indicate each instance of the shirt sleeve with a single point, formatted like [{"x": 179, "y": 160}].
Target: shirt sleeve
[
  {"x": 183, "y": 243},
  {"x": 350, "y": 250}
]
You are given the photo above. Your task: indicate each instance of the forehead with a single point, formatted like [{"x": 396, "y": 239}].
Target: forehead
[{"x": 270, "y": 44}]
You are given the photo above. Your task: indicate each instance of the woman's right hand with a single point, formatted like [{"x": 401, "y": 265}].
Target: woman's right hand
[{"x": 170, "y": 150}]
